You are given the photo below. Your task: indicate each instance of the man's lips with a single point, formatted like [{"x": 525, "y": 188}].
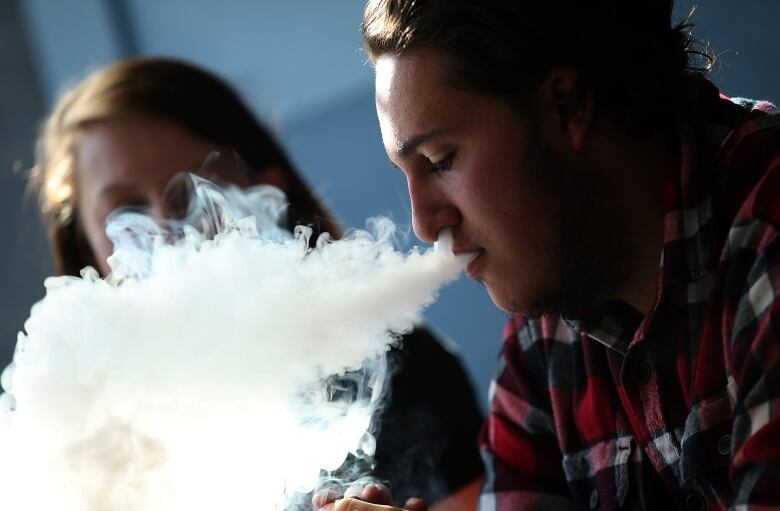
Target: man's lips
[
  {"x": 475, "y": 262},
  {"x": 473, "y": 267}
]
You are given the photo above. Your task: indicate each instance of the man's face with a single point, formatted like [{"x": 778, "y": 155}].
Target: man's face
[{"x": 475, "y": 165}]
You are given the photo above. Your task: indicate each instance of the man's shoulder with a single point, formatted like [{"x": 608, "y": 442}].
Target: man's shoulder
[
  {"x": 751, "y": 157},
  {"x": 747, "y": 175}
]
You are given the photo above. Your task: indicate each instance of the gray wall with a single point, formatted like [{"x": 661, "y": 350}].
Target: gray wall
[
  {"x": 744, "y": 35},
  {"x": 299, "y": 65},
  {"x": 23, "y": 250}
]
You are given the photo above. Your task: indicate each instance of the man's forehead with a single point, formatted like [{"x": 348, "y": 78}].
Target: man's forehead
[
  {"x": 411, "y": 75},
  {"x": 409, "y": 97},
  {"x": 385, "y": 77}
]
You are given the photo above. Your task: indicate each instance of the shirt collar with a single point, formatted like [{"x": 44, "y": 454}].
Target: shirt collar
[{"x": 613, "y": 325}]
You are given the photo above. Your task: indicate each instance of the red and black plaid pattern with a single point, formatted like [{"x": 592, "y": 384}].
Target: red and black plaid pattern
[{"x": 680, "y": 408}]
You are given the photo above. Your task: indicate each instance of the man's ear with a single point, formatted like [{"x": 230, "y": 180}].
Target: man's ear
[{"x": 572, "y": 108}]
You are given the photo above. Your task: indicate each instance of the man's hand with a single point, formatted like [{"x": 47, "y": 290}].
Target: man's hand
[{"x": 373, "y": 497}]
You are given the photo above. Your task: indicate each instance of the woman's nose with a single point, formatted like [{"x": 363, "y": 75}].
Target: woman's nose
[{"x": 175, "y": 199}]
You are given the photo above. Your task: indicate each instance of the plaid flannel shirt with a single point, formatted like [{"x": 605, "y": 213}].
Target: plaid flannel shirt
[{"x": 679, "y": 408}]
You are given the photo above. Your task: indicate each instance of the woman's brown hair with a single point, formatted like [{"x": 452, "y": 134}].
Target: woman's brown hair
[{"x": 164, "y": 89}]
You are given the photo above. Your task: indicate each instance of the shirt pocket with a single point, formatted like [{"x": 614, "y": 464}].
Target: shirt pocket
[
  {"x": 599, "y": 477},
  {"x": 706, "y": 442}
]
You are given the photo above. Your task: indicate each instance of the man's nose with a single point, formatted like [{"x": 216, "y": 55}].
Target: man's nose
[{"x": 432, "y": 210}]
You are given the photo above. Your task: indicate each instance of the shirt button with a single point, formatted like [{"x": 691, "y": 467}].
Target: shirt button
[
  {"x": 594, "y": 499},
  {"x": 724, "y": 445},
  {"x": 640, "y": 371},
  {"x": 694, "y": 502}
]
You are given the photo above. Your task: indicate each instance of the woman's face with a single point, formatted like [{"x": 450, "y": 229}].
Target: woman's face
[{"x": 128, "y": 162}]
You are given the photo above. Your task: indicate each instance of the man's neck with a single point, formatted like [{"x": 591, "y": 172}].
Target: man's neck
[{"x": 636, "y": 169}]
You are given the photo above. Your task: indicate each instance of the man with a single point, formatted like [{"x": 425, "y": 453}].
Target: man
[{"x": 625, "y": 214}]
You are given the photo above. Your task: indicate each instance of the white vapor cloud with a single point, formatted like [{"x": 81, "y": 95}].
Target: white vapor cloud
[{"x": 192, "y": 377}]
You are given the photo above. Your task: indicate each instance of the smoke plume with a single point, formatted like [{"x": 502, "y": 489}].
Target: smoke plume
[{"x": 195, "y": 376}]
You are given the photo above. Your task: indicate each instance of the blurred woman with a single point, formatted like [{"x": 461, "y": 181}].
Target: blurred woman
[{"x": 120, "y": 136}]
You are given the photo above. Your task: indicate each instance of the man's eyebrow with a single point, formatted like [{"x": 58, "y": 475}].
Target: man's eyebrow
[{"x": 410, "y": 145}]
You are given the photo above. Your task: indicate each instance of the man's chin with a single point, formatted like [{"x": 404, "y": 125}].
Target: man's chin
[
  {"x": 512, "y": 305},
  {"x": 524, "y": 306}
]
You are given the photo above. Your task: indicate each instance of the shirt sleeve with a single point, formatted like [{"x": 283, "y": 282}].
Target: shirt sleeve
[
  {"x": 753, "y": 355},
  {"x": 518, "y": 442}
]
